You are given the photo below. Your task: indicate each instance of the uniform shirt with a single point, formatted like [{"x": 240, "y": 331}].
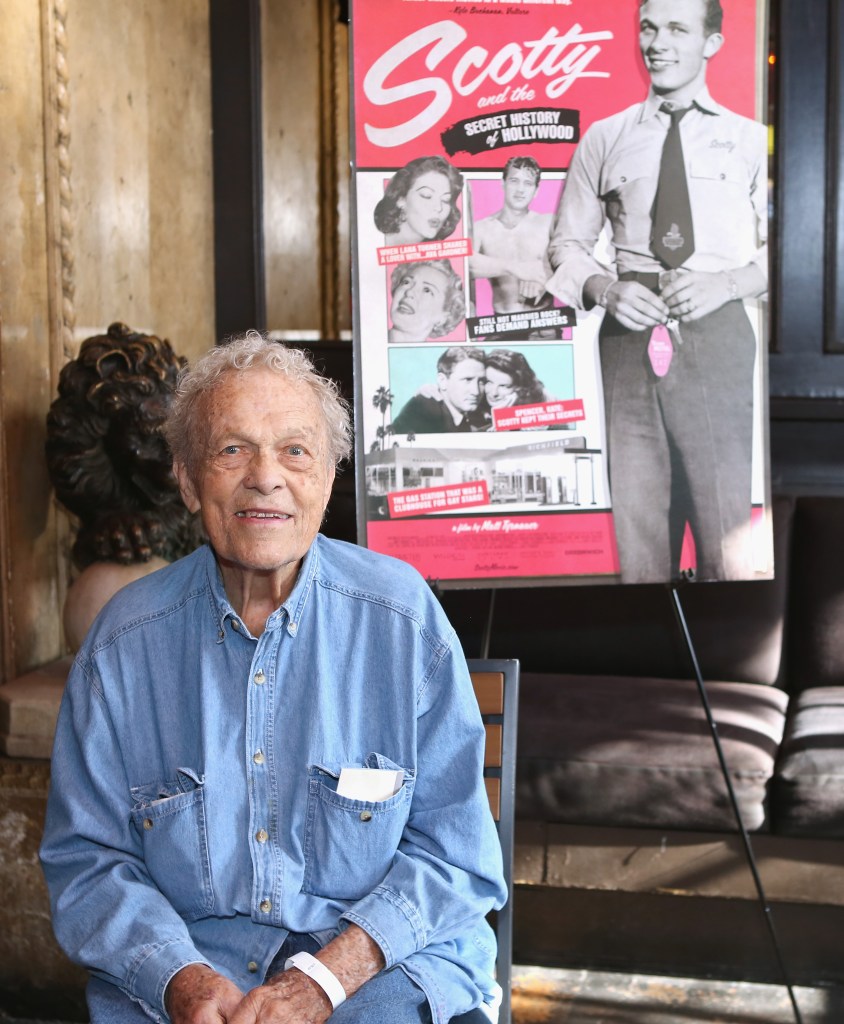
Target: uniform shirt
[
  {"x": 613, "y": 177},
  {"x": 193, "y": 813}
]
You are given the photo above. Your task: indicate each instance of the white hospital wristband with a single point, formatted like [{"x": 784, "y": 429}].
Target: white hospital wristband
[{"x": 321, "y": 975}]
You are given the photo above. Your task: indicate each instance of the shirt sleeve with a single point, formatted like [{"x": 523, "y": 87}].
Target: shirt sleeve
[
  {"x": 108, "y": 915},
  {"x": 579, "y": 223},
  {"x": 447, "y": 872}
]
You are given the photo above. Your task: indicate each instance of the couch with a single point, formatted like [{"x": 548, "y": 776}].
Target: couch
[{"x": 621, "y": 803}]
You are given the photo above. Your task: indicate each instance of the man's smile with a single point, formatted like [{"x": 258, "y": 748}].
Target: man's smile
[{"x": 252, "y": 513}]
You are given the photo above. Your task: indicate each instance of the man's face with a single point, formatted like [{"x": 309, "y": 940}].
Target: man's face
[
  {"x": 520, "y": 187},
  {"x": 266, "y": 478},
  {"x": 675, "y": 48},
  {"x": 463, "y": 387}
]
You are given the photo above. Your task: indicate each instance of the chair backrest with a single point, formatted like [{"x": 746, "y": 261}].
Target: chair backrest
[{"x": 496, "y": 683}]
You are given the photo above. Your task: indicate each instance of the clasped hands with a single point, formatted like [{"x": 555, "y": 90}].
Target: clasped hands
[
  {"x": 687, "y": 295},
  {"x": 199, "y": 995}
]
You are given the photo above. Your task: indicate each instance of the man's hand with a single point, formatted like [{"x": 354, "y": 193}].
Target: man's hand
[
  {"x": 692, "y": 294},
  {"x": 635, "y": 306},
  {"x": 531, "y": 291},
  {"x": 199, "y": 995},
  {"x": 531, "y": 274},
  {"x": 288, "y": 998}
]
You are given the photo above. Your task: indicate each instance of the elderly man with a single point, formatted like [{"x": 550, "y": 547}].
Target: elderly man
[
  {"x": 267, "y": 801},
  {"x": 458, "y": 402},
  {"x": 682, "y": 182}
]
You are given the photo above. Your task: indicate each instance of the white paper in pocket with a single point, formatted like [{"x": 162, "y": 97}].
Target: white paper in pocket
[{"x": 372, "y": 784}]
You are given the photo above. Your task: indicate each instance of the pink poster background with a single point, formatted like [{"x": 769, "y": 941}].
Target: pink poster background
[{"x": 392, "y": 93}]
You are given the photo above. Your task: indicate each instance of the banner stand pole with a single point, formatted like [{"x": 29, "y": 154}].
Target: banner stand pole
[
  {"x": 487, "y": 633},
  {"x": 745, "y": 837}
]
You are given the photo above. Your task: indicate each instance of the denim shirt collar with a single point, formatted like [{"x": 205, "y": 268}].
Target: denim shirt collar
[{"x": 289, "y": 613}]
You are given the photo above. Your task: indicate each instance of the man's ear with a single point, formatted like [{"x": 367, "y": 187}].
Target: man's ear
[
  {"x": 187, "y": 488},
  {"x": 712, "y": 45}
]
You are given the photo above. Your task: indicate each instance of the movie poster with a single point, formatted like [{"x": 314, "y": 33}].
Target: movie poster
[{"x": 560, "y": 366}]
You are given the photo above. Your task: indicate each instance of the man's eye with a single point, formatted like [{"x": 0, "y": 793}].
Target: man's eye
[
  {"x": 296, "y": 449},
  {"x": 231, "y": 449}
]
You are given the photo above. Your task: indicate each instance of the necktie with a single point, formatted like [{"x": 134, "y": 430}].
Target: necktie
[{"x": 673, "y": 239}]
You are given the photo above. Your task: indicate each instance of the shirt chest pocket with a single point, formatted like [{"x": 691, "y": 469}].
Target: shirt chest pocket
[
  {"x": 169, "y": 818},
  {"x": 627, "y": 191},
  {"x": 719, "y": 167},
  {"x": 350, "y": 844}
]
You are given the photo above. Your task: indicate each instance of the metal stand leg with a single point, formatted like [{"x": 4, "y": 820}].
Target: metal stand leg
[
  {"x": 748, "y": 849},
  {"x": 487, "y": 633}
]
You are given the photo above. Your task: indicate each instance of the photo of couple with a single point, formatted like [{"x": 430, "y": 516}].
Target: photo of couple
[{"x": 470, "y": 384}]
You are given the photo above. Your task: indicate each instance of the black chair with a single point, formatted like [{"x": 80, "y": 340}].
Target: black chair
[{"x": 496, "y": 683}]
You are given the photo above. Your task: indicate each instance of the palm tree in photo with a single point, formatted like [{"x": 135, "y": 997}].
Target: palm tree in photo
[{"x": 382, "y": 400}]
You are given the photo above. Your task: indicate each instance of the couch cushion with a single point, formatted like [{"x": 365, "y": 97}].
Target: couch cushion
[
  {"x": 808, "y": 790},
  {"x": 614, "y": 750}
]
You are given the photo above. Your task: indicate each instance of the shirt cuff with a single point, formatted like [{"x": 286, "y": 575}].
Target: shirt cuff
[
  {"x": 392, "y": 922},
  {"x": 569, "y": 280},
  {"x": 155, "y": 968}
]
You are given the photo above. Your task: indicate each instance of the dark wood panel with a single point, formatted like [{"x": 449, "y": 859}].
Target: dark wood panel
[
  {"x": 240, "y": 301},
  {"x": 806, "y": 193},
  {"x": 691, "y": 936},
  {"x": 835, "y": 249}
]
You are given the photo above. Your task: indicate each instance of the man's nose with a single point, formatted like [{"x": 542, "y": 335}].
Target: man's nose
[{"x": 265, "y": 473}]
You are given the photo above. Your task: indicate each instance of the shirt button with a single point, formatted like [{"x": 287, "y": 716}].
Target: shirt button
[
  {"x": 261, "y": 835},
  {"x": 260, "y": 677},
  {"x": 235, "y": 624},
  {"x": 293, "y": 629},
  {"x": 265, "y": 906},
  {"x": 252, "y": 967},
  {"x": 258, "y": 757},
  {"x": 366, "y": 815},
  {"x": 148, "y": 824}
]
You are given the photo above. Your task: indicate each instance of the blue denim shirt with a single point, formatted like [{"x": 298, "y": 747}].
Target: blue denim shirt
[{"x": 193, "y": 813}]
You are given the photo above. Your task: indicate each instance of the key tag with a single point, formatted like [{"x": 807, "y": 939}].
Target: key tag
[{"x": 660, "y": 350}]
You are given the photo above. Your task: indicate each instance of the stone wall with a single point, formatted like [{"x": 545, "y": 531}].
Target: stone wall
[{"x": 35, "y": 976}]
